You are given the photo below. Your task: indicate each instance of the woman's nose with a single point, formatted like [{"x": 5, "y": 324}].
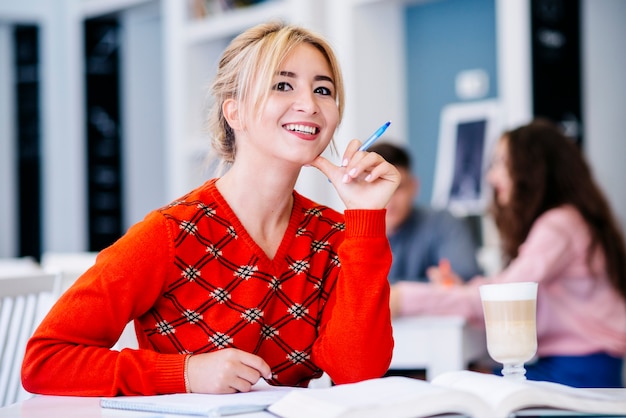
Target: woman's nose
[
  {"x": 491, "y": 176},
  {"x": 305, "y": 102}
]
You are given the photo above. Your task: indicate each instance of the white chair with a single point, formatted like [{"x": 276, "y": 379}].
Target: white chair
[
  {"x": 18, "y": 266},
  {"x": 72, "y": 265},
  {"x": 69, "y": 265},
  {"x": 24, "y": 301}
]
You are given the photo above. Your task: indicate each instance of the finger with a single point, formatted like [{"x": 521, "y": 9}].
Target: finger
[
  {"x": 383, "y": 171},
  {"x": 244, "y": 383},
  {"x": 330, "y": 170},
  {"x": 394, "y": 301},
  {"x": 323, "y": 165},
  {"x": 433, "y": 274},
  {"x": 368, "y": 165},
  {"x": 447, "y": 278},
  {"x": 444, "y": 265},
  {"x": 348, "y": 154},
  {"x": 258, "y": 365}
]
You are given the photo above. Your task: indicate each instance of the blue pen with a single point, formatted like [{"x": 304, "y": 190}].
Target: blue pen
[
  {"x": 373, "y": 137},
  {"x": 369, "y": 141}
]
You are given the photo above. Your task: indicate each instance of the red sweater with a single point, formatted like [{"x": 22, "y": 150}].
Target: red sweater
[{"x": 194, "y": 281}]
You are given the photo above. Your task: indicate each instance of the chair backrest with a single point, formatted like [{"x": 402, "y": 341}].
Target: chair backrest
[
  {"x": 69, "y": 265},
  {"x": 72, "y": 265},
  {"x": 24, "y": 300},
  {"x": 18, "y": 266}
]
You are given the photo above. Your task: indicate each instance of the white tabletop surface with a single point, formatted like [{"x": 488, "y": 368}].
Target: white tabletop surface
[{"x": 82, "y": 407}]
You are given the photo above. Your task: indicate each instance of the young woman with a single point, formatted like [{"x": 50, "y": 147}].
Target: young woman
[
  {"x": 242, "y": 278},
  {"x": 556, "y": 229}
]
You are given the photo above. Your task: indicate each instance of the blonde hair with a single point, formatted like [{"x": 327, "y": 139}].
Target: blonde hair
[{"x": 245, "y": 72}]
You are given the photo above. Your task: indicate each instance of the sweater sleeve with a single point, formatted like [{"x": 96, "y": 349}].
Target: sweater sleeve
[
  {"x": 544, "y": 255},
  {"x": 70, "y": 352},
  {"x": 356, "y": 341}
]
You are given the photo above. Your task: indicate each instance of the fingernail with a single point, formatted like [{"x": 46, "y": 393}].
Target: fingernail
[
  {"x": 368, "y": 178},
  {"x": 353, "y": 172},
  {"x": 344, "y": 163},
  {"x": 346, "y": 178}
]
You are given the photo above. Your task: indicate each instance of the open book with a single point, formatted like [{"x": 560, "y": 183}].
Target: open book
[{"x": 474, "y": 394}]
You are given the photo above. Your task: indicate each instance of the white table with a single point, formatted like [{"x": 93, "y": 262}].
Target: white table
[
  {"x": 82, "y": 407},
  {"x": 436, "y": 344}
]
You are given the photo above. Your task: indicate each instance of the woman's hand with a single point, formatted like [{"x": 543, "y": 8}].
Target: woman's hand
[
  {"x": 395, "y": 301},
  {"x": 364, "y": 180},
  {"x": 226, "y": 371},
  {"x": 443, "y": 275}
]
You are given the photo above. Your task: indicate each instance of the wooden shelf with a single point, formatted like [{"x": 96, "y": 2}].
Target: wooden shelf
[{"x": 233, "y": 22}]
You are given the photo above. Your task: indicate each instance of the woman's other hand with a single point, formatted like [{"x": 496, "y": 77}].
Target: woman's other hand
[
  {"x": 226, "y": 371},
  {"x": 443, "y": 274}
]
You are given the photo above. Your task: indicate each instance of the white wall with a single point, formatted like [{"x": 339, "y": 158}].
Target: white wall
[
  {"x": 514, "y": 69},
  {"x": 604, "y": 96},
  {"x": 63, "y": 146},
  {"x": 7, "y": 148},
  {"x": 143, "y": 153},
  {"x": 62, "y": 114},
  {"x": 62, "y": 181}
]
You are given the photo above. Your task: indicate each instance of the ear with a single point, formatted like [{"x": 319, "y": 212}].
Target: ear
[
  {"x": 230, "y": 109},
  {"x": 415, "y": 185}
]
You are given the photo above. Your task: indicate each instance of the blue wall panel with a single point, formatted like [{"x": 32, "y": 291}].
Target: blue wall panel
[{"x": 444, "y": 37}]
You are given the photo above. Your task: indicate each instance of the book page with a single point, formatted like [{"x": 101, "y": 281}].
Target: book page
[
  {"x": 564, "y": 397},
  {"x": 493, "y": 389},
  {"x": 390, "y": 397},
  {"x": 506, "y": 396}
]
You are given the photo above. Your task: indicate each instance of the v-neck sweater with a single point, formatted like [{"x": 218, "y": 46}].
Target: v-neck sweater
[{"x": 193, "y": 281}]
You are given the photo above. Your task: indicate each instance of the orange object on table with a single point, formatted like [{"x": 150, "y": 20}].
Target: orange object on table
[{"x": 446, "y": 272}]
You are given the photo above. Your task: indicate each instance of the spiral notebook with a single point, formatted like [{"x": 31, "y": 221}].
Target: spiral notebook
[{"x": 193, "y": 404}]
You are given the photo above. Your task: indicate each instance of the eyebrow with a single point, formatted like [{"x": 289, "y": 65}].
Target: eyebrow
[{"x": 291, "y": 74}]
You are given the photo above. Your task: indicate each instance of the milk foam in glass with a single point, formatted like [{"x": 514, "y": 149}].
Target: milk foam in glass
[{"x": 510, "y": 311}]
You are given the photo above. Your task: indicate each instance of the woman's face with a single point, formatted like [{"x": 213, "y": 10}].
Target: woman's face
[
  {"x": 498, "y": 175},
  {"x": 301, "y": 113}
]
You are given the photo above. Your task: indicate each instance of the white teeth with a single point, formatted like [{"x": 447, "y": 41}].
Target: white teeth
[{"x": 301, "y": 128}]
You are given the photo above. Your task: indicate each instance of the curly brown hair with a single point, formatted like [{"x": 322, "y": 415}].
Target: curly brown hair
[{"x": 547, "y": 170}]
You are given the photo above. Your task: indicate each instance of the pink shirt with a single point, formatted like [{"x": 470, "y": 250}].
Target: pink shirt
[{"x": 578, "y": 311}]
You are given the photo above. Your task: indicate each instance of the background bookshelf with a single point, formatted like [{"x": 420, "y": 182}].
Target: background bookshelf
[{"x": 167, "y": 58}]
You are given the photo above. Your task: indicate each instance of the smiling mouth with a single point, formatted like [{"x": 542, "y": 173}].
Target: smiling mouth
[{"x": 304, "y": 129}]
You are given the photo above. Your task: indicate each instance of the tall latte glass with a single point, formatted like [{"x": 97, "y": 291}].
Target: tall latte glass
[{"x": 510, "y": 310}]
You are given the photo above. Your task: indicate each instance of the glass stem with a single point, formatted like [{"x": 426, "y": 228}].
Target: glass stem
[{"x": 514, "y": 371}]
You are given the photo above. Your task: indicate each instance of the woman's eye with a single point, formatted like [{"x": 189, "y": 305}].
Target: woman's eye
[
  {"x": 325, "y": 91},
  {"x": 282, "y": 86}
]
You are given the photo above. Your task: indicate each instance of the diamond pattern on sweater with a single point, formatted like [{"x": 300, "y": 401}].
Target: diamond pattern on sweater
[{"x": 223, "y": 293}]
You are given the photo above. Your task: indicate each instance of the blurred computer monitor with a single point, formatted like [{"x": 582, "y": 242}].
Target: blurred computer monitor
[{"x": 467, "y": 134}]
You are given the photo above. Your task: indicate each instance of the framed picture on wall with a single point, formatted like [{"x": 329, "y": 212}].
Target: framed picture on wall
[{"x": 467, "y": 134}]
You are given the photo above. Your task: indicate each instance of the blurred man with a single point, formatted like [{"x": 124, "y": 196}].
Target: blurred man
[{"x": 422, "y": 237}]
